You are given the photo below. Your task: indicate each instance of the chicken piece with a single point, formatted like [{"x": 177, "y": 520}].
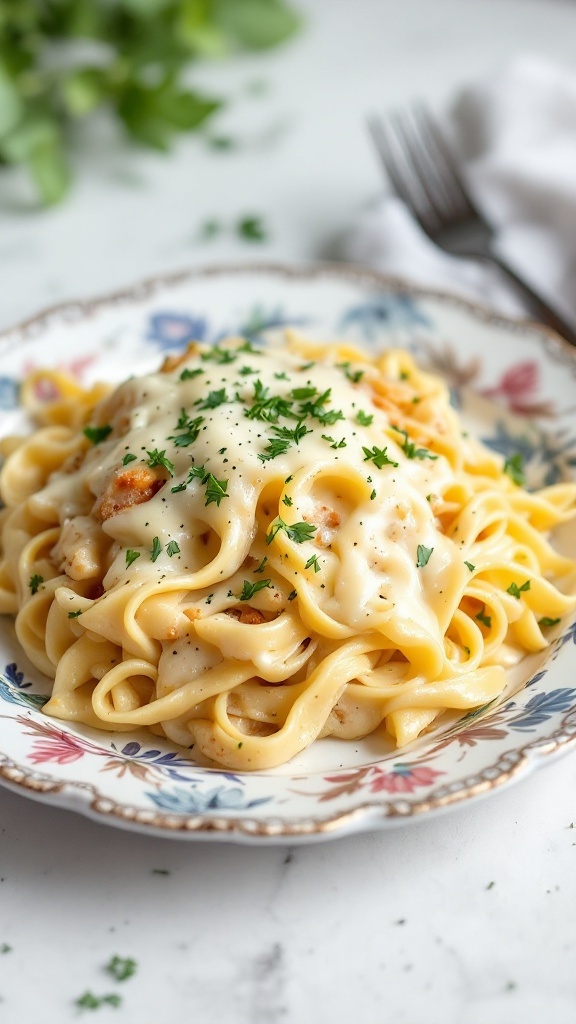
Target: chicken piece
[
  {"x": 126, "y": 488},
  {"x": 81, "y": 548},
  {"x": 248, "y": 616}
]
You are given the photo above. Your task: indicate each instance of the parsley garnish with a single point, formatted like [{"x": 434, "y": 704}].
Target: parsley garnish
[
  {"x": 335, "y": 444},
  {"x": 378, "y": 456},
  {"x": 34, "y": 583},
  {"x": 548, "y": 622},
  {"x": 315, "y": 408},
  {"x": 276, "y": 446},
  {"x": 372, "y": 495},
  {"x": 483, "y": 618},
  {"x": 298, "y": 532},
  {"x": 470, "y": 566},
  {"x": 189, "y": 374},
  {"x": 353, "y": 375},
  {"x": 89, "y": 1001},
  {"x": 302, "y": 393},
  {"x": 287, "y": 500},
  {"x": 172, "y": 548},
  {"x": 220, "y": 355},
  {"x": 156, "y": 458},
  {"x": 249, "y": 589},
  {"x": 131, "y": 556},
  {"x": 215, "y": 490},
  {"x": 196, "y": 472},
  {"x": 515, "y": 590},
  {"x": 252, "y": 229},
  {"x": 121, "y": 968},
  {"x": 128, "y": 458},
  {"x": 514, "y": 468},
  {"x": 74, "y": 615},
  {"x": 423, "y": 556},
  {"x": 156, "y": 549},
  {"x": 312, "y": 563},
  {"x": 214, "y": 399},
  {"x": 294, "y": 435},
  {"x": 292, "y": 595},
  {"x": 260, "y": 568},
  {"x": 97, "y": 434},
  {"x": 245, "y": 371},
  {"x": 267, "y": 407},
  {"x": 410, "y": 449},
  {"x": 364, "y": 418},
  {"x": 191, "y": 428}
]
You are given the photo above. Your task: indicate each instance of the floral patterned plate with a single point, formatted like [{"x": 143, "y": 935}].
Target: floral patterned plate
[{"x": 515, "y": 386}]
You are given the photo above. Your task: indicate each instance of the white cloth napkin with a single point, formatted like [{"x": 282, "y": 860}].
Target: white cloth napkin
[{"x": 516, "y": 137}]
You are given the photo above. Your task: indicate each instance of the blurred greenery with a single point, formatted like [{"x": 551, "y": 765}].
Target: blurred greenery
[{"x": 60, "y": 60}]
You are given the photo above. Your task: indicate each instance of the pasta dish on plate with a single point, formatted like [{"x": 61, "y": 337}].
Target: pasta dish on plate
[{"x": 256, "y": 547}]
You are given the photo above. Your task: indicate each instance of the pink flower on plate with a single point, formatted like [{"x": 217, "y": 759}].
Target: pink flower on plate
[
  {"x": 518, "y": 387},
  {"x": 402, "y": 779},
  {"x": 59, "y": 748}
]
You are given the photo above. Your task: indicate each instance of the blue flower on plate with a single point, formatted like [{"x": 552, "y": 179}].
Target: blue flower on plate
[
  {"x": 9, "y": 391},
  {"x": 174, "y": 331},
  {"x": 384, "y": 313},
  {"x": 541, "y": 707},
  {"x": 11, "y": 686},
  {"x": 197, "y": 801}
]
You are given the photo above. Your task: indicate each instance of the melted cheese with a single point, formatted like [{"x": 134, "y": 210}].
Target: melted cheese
[{"x": 297, "y": 515}]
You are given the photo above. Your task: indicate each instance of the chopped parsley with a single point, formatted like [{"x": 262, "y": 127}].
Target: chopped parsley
[
  {"x": 287, "y": 500},
  {"x": 294, "y": 435},
  {"x": 409, "y": 448},
  {"x": 220, "y": 355},
  {"x": 292, "y": 595},
  {"x": 128, "y": 458},
  {"x": 189, "y": 374},
  {"x": 215, "y": 490},
  {"x": 470, "y": 566},
  {"x": 515, "y": 590},
  {"x": 514, "y": 468},
  {"x": 249, "y": 589},
  {"x": 191, "y": 428},
  {"x": 334, "y": 444},
  {"x": 548, "y": 622},
  {"x": 423, "y": 556},
  {"x": 214, "y": 399},
  {"x": 89, "y": 1001},
  {"x": 313, "y": 563},
  {"x": 315, "y": 409},
  {"x": 74, "y": 615},
  {"x": 353, "y": 375},
  {"x": 156, "y": 549},
  {"x": 156, "y": 458},
  {"x": 276, "y": 446},
  {"x": 196, "y": 472},
  {"x": 252, "y": 229},
  {"x": 378, "y": 456},
  {"x": 483, "y": 618},
  {"x": 298, "y": 532},
  {"x": 364, "y": 418},
  {"x": 260, "y": 568},
  {"x": 245, "y": 371},
  {"x": 97, "y": 434},
  {"x": 131, "y": 556},
  {"x": 267, "y": 407},
  {"x": 172, "y": 548},
  {"x": 121, "y": 968},
  {"x": 35, "y": 582}
]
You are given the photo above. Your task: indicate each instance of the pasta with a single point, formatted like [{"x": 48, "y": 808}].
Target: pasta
[{"x": 253, "y": 548}]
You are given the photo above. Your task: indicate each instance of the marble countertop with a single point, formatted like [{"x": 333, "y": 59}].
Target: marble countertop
[{"x": 464, "y": 916}]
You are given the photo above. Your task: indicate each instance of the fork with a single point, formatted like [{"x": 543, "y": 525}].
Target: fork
[{"x": 425, "y": 174}]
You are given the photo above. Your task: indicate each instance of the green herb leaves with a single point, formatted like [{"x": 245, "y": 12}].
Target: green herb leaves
[
  {"x": 40, "y": 96},
  {"x": 378, "y": 456},
  {"x": 298, "y": 532},
  {"x": 249, "y": 589},
  {"x": 423, "y": 556},
  {"x": 515, "y": 590},
  {"x": 35, "y": 583},
  {"x": 97, "y": 434},
  {"x": 514, "y": 468}
]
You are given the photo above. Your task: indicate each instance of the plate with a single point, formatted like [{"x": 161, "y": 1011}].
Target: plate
[{"x": 514, "y": 385}]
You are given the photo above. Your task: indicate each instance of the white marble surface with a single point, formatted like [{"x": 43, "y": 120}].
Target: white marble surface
[{"x": 467, "y": 916}]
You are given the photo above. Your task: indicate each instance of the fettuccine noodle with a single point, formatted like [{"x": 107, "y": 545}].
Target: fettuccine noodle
[{"x": 256, "y": 547}]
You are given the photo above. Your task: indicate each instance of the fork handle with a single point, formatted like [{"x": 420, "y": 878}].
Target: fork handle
[{"x": 541, "y": 310}]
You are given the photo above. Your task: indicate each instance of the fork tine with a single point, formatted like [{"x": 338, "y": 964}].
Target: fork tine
[
  {"x": 443, "y": 164},
  {"x": 404, "y": 178}
]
